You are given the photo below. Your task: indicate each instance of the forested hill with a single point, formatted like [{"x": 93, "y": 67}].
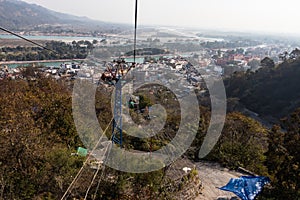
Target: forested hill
[
  {"x": 272, "y": 91},
  {"x": 16, "y": 14}
]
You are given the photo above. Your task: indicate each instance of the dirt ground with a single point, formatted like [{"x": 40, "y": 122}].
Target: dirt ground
[{"x": 213, "y": 176}]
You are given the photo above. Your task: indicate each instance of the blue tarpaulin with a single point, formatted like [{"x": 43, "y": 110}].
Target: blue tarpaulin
[{"x": 246, "y": 187}]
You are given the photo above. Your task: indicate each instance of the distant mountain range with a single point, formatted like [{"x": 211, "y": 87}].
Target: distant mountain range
[{"x": 19, "y": 15}]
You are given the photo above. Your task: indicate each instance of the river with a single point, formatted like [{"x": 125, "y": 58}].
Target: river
[{"x": 44, "y": 37}]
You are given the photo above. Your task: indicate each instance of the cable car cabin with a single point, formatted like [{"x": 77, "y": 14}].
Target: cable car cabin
[{"x": 133, "y": 102}]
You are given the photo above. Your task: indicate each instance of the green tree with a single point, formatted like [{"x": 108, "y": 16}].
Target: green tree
[
  {"x": 95, "y": 42},
  {"x": 35, "y": 126},
  {"x": 242, "y": 144},
  {"x": 283, "y": 159},
  {"x": 253, "y": 63},
  {"x": 267, "y": 62}
]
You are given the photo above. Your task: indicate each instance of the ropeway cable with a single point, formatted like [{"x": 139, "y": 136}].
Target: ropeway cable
[
  {"x": 28, "y": 40},
  {"x": 32, "y": 42},
  {"x": 135, "y": 29},
  {"x": 84, "y": 164}
]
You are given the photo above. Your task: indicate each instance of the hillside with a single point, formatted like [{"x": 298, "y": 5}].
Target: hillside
[
  {"x": 19, "y": 15},
  {"x": 39, "y": 140},
  {"x": 271, "y": 92}
]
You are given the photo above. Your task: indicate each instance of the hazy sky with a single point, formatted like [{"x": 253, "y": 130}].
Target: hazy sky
[{"x": 243, "y": 15}]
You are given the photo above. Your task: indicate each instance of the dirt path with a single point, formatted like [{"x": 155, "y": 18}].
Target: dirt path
[{"x": 212, "y": 176}]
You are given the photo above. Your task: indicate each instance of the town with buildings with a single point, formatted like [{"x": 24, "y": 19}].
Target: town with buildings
[{"x": 178, "y": 53}]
